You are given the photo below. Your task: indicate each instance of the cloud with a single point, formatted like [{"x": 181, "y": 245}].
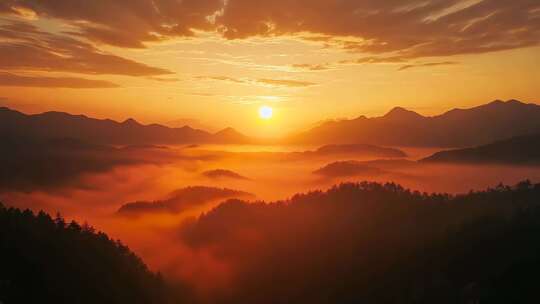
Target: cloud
[
  {"x": 312, "y": 67},
  {"x": 261, "y": 81},
  {"x": 222, "y": 78},
  {"x": 412, "y": 28},
  {"x": 6, "y": 8},
  {"x": 374, "y": 59},
  {"x": 428, "y": 64},
  {"x": 357, "y": 61},
  {"x": 25, "y": 47},
  {"x": 126, "y": 23},
  {"x": 164, "y": 79},
  {"x": 7, "y": 79},
  {"x": 285, "y": 82}
]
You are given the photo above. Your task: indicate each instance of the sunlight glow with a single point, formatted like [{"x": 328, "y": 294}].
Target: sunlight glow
[{"x": 265, "y": 112}]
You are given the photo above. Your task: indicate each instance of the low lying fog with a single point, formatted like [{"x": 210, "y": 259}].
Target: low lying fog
[{"x": 269, "y": 173}]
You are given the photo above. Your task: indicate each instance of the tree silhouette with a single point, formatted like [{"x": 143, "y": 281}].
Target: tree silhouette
[
  {"x": 48, "y": 260},
  {"x": 379, "y": 243}
]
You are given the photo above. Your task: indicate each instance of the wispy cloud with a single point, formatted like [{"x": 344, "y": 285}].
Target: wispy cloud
[
  {"x": 285, "y": 82},
  {"x": 313, "y": 67},
  {"x": 374, "y": 59},
  {"x": 8, "y": 79},
  {"x": 260, "y": 81},
  {"x": 223, "y": 78},
  {"x": 160, "y": 79},
  {"x": 25, "y": 47},
  {"x": 428, "y": 64}
]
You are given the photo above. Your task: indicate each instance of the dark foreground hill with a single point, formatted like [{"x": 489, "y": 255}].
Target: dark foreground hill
[
  {"x": 45, "y": 260},
  {"x": 355, "y": 243},
  {"x": 375, "y": 243},
  {"x": 456, "y": 128},
  {"x": 524, "y": 150}
]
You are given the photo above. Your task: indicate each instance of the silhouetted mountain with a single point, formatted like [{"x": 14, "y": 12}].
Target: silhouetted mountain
[
  {"x": 222, "y": 173},
  {"x": 29, "y": 163},
  {"x": 360, "y": 150},
  {"x": 389, "y": 163},
  {"x": 375, "y": 243},
  {"x": 181, "y": 200},
  {"x": 401, "y": 114},
  {"x": 347, "y": 168},
  {"x": 456, "y": 128},
  {"x": 50, "y": 261},
  {"x": 106, "y": 131},
  {"x": 230, "y": 135},
  {"x": 517, "y": 150}
]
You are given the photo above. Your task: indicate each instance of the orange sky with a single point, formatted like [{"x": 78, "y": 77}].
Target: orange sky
[{"x": 213, "y": 63}]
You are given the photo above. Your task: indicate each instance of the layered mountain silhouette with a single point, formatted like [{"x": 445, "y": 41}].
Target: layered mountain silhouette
[
  {"x": 516, "y": 150},
  {"x": 399, "y": 127},
  {"x": 230, "y": 135},
  {"x": 358, "y": 150},
  {"x": 30, "y": 163},
  {"x": 347, "y": 168},
  {"x": 106, "y": 131},
  {"x": 456, "y": 128},
  {"x": 181, "y": 200},
  {"x": 223, "y": 174}
]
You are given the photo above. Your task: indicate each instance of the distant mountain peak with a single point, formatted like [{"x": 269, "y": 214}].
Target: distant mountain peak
[
  {"x": 106, "y": 131},
  {"x": 130, "y": 121},
  {"x": 228, "y": 131},
  {"x": 230, "y": 135},
  {"x": 508, "y": 102},
  {"x": 402, "y": 113},
  {"x": 459, "y": 128},
  {"x": 514, "y": 101},
  {"x": 361, "y": 117}
]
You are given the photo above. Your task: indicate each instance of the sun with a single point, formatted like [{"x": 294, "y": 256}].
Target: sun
[{"x": 265, "y": 112}]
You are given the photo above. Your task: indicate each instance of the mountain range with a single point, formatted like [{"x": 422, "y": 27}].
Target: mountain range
[
  {"x": 516, "y": 150},
  {"x": 456, "y": 128},
  {"x": 106, "y": 131}
]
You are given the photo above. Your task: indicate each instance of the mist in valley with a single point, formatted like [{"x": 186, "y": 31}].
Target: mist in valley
[{"x": 250, "y": 173}]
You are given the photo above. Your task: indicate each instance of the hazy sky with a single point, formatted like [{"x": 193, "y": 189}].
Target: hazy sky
[{"x": 213, "y": 63}]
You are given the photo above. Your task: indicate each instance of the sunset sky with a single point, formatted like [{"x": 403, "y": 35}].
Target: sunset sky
[{"x": 214, "y": 63}]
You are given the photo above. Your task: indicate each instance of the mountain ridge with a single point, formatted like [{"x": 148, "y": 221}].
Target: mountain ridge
[
  {"x": 454, "y": 128},
  {"x": 54, "y": 124},
  {"x": 524, "y": 150}
]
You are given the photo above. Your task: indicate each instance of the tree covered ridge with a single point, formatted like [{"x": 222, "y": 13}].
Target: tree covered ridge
[
  {"x": 48, "y": 260},
  {"x": 380, "y": 243},
  {"x": 354, "y": 243}
]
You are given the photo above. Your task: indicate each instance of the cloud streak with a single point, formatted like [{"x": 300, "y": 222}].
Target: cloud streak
[
  {"x": 261, "y": 81},
  {"x": 312, "y": 67},
  {"x": 8, "y": 79},
  {"x": 24, "y": 47},
  {"x": 285, "y": 83},
  {"x": 428, "y": 64}
]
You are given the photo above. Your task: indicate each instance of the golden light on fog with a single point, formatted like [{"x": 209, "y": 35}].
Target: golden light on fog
[{"x": 265, "y": 112}]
